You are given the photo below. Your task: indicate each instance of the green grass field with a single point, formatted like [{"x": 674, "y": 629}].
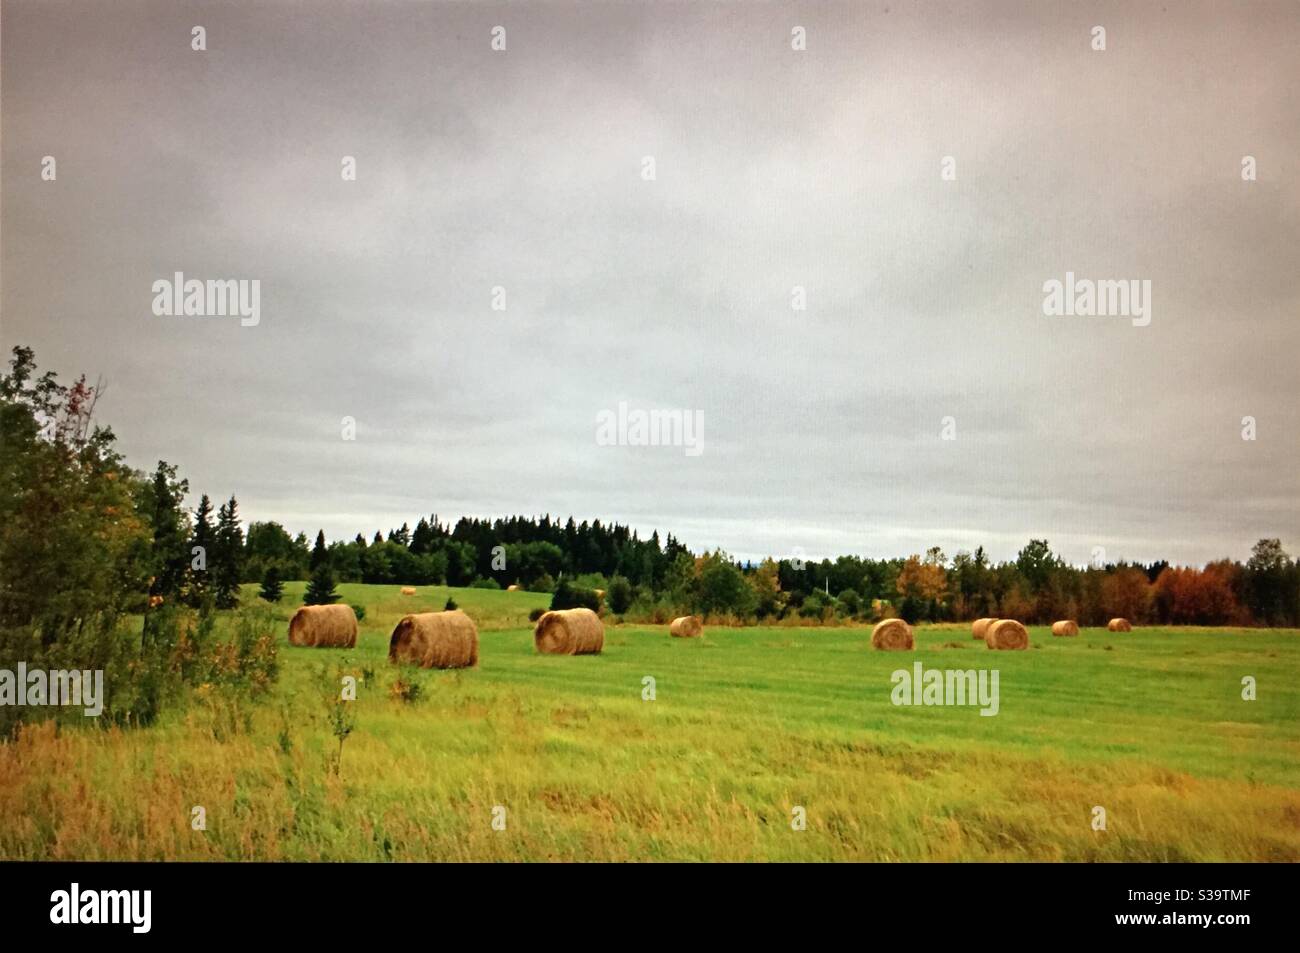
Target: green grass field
[{"x": 747, "y": 724}]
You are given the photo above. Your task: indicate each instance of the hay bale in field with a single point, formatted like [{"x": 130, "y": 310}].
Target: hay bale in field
[
  {"x": 435, "y": 640},
  {"x": 1007, "y": 634},
  {"x": 686, "y": 627},
  {"x": 512, "y": 588},
  {"x": 1065, "y": 627},
  {"x": 892, "y": 635},
  {"x": 408, "y": 590},
  {"x": 569, "y": 632},
  {"x": 1120, "y": 625},
  {"x": 980, "y": 627},
  {"x": 324, "y": 627}
]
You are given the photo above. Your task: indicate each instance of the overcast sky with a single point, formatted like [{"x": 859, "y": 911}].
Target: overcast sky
[{"x": 774, "y": 168}]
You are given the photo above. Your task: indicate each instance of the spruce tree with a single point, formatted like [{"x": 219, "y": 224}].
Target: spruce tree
[
  {"x": 321, "y": 591},
  {"x": 319, "y": 554},
  {"x": 229, "y": 556},
  {"x": 202, "y": 540},
  {"x": 272, "y": 588},
  {"x": 170, "y": 532}
]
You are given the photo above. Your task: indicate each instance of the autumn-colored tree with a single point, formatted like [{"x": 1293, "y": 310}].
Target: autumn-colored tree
[
  {"x": 1126, "y": 593},
  {"x": 766, "y": 583},
  {"x": 922, "y": 584}
]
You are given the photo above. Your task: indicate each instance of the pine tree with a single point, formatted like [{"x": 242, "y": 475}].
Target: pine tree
[
  {"x": 272, "y": 587},
  {"x": 201, "y": 549},
  {"x": 321, "y": 591},
  {"x": 229, "y": 554},
  {"x": 319, "y": 554}
]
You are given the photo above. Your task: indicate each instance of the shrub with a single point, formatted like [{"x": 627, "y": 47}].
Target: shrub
[
  {"x": 405, "y": 691},
  {"x": 359, "y": 610},
  {"x": 569, "y": 596},
  {"x": 536, "y": 614},
  {"x": 481, "y": 583},
  {"x": 620, "y": 595},
  {"x": 451, "y": 605}
]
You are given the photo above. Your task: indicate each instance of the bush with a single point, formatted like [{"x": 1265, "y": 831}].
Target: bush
[
  {"x": 451, "y": 605},
  {"x": 620, "y": 595},
  {"x": 481, "y": 583},
  {"x": 359, "y": 610},
  {"x": 569, "y": 596},
  {"x": 536, "y": 614},
  {"x": 406, "y": 691}
]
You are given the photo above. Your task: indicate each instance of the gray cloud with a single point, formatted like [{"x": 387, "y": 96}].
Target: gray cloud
[{"x": 775, "y": 169}]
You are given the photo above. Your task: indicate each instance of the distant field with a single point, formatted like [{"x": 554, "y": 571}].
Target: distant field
[{"x": 747, "y": 724}]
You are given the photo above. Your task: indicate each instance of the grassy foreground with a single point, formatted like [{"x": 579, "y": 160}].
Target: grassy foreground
[{"x": 746, "y": 725}]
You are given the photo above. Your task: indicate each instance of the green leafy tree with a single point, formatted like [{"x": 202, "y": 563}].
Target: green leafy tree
[
  {"x": 722, "y": 587},
  {"x": 1271, "y": 584}
]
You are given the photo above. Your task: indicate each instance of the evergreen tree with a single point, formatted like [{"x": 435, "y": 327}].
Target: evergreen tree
[
  {"x": 272, "y": 587},
  {"x": 170, "y": 532},
  {"x": 229, "y": 554},
  {"x": 319, "y": 554},
  {"x": 321, "y": 591},
  {"x": 202, "y": 541}
]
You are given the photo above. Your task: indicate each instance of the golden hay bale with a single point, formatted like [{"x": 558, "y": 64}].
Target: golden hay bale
[
  {"x": 980, "y": 627},
  {"x": 330, "y": 627},
  {"x": 892, "y": 635},
  {"x": 686, "y": 627},
  {"x": 435, "y": 640},
  {"x": 1007, "y": 634},
  {"x": 569, "y": 632},
  {"x": 512, "y": 588},
  {"x": 1120, "y": 625},
  {"x": 1065, "y": 627},
  {"x": 408, "y": 590}
]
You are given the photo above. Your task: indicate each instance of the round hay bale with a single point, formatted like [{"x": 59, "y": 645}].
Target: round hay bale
[
  {"x": 1120, "y": 625},
  {"x": 408, "y": 590},
  {"x": 1007, "y": 634},
  {"x": 980, "y": 627},
  {"x": 1065, "y": 627},
  {"x": 435, "y": 640},
  {"x": 512, "y": 588},
  {"x": 569, "y": 632},
  {"x": 892, "y": 635},
  {"x": 686, "y": 627},
  {"x": 324, "y": 627}
]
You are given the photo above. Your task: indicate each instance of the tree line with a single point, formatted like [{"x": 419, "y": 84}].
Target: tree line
[{"x": 81, "y": 533}]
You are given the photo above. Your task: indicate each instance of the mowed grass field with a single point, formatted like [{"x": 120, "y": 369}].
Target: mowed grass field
[{"x": 746, "y": 725}]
